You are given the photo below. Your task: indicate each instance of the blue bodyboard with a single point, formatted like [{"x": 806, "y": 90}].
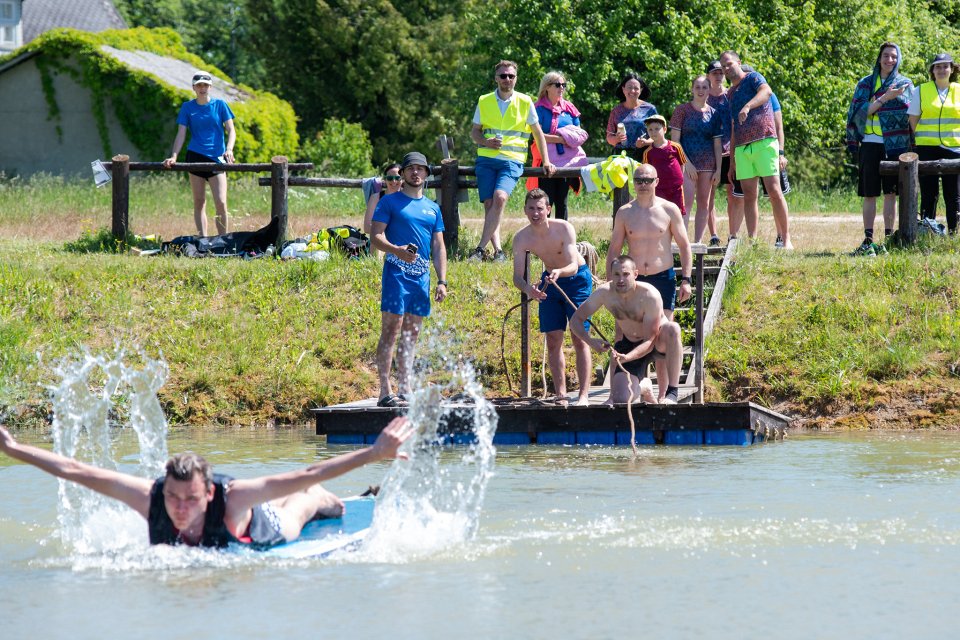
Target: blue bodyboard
[{"x": 320, "y": 538}]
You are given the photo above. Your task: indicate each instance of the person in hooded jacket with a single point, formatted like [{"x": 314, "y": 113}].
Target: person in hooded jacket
[{"x": 878, "y": 127}]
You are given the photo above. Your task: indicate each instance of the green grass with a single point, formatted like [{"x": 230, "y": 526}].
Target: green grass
[{"x": 817, "y": 332}]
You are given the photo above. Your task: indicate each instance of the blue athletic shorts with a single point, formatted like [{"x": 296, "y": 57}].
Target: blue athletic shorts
[
  {"x": 555, "y": 311},
  {"x": 666, "y": 283},
  {"x": 402, "y": 293},
  {"x": 496, "y": 174}
]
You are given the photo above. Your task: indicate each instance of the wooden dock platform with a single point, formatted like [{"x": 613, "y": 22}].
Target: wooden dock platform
[{"x": 527, "y": 420}]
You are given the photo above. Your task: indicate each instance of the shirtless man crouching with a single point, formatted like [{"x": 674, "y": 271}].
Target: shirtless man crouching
[
  {"x": 555, "y": 243},
  {"x": 650, "y": 225},
  {"x": 648, "y": 334}
]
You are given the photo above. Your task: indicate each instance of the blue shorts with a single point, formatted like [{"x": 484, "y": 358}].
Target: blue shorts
[
  {"x": 666, "y": 283},
  {"x": 496, "y": 174},
  {"x": 555, "y": 311},
  {"x": 402, "y": 293}
]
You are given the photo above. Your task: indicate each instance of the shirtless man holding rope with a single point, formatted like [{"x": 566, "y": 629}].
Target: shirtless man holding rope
[
  {"x": 648, "y": 334},
  {"x": 555, "y": 243},
  {"x": 649, "y": 226}
]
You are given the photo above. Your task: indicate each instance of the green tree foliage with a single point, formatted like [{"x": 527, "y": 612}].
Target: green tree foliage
[
  {"x": 339, "y": 149},
  {"x": 217, "y": 32},
  {"x": 812, "y": 53},
  {"x": 384, "y": 65}
]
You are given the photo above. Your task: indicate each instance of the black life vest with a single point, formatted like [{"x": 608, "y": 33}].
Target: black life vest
[{"x": 215, "y": 533}]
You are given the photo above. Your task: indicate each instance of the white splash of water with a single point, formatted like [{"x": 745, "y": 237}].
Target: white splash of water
[
  {"x": 85, "y": 427},
  {"x": 432, "y": 501}
]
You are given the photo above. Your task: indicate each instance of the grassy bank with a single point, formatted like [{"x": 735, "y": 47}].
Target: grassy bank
[
  {"x": 864, "y": 341},
  {"x": 814, "y": 333}
]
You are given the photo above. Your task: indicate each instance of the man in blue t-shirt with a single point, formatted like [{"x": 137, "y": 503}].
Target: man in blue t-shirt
[{"x": 408, "y": 228}]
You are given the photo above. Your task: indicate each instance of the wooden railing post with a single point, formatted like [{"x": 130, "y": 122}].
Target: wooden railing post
[
  {"x": 908, "y": 183},
  {"x": 449, "y": 205},
  {"x": 120, "y": 168},
  {"x": 698, "y": 327},
  {"x": 621, "y": 196},
  {"x": 525, "y": 370},
  {"x": 279, "y": 177}
]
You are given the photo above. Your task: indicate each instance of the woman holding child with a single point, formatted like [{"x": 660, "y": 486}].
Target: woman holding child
[
  {"x": 697, "y": 127},
  {"x": 560, "y": 121}
]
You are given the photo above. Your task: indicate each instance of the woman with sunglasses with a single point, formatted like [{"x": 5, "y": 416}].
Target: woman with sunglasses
[
  {"x": 560, "y": 121},
  {"x": 378, "y": 187},
  {"x": 206, "y": 118},
  {"x": 631, "y": 113}
]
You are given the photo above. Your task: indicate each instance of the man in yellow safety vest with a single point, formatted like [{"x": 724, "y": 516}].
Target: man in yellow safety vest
[{"x": 502, "y": 126}]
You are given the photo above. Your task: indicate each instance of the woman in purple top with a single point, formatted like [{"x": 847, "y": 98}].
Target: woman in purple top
[
  {"x": 696, "y": 126},
  {"x": 631, "y": 112}
]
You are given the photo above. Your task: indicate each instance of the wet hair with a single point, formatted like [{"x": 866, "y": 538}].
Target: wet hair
[
  {"x": 504, "y": 63},
  {"x": 536, "y": 194},
  {"x": 183, "y": 466},
  {"x": 549, "y": 78},
  {"x": 644, "y": 89},
  {"x": 626, "y": 260}
]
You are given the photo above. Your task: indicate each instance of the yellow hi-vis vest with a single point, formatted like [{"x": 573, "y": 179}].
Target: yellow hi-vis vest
[
  {"x": 873, "y": 122},
  {"x": 614, "y": 172},
  {"x": 512, "y": 125},
  {"x": 939, "y": 120}
]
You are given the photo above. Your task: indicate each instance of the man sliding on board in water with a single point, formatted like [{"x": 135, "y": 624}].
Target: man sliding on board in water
[{"x": 192, "y": 505}]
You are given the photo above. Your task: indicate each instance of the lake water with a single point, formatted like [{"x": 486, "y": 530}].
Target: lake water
[{"x": 819, "y": 536}]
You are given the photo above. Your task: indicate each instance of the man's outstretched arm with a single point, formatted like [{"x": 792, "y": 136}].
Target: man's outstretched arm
[
  {"x": 247, "y": 493},
  {"x": 130, "y": 490}
]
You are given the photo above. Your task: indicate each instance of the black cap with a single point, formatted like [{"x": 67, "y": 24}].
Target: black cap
[
  {"x": 940, "y": 57},
  {"x": 714, "y": 66},
  {"x": 414, "y": 157}
]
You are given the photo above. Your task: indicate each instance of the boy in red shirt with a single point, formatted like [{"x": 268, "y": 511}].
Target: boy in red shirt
[{"x": 669, "y": 160}]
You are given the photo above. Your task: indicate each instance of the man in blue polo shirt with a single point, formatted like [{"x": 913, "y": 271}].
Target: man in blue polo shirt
[{"x": 408, "y": 228}]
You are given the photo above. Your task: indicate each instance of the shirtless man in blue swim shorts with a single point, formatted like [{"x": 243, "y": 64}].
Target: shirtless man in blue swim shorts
[
  {"x": 649, "y": 226},
  {"x": 192, "y": 505},
  {"x": 555, "y": 243},
  {"x": 408, "y": 227}
]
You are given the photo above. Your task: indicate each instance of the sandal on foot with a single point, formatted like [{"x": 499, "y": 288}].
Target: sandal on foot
[{"x": 392, "y": 401}]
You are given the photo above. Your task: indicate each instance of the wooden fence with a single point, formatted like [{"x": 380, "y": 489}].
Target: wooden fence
[{"x": 908, "y": 168}]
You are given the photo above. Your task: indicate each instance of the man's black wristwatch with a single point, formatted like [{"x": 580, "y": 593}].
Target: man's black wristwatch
[
  {"x": 686, "y": 279},
  {"x": 441, "y": 282}
]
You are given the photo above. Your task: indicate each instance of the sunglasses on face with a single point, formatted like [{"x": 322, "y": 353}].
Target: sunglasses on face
[
  {"x": 507, "y": 76},
  {"x": 392, "y": 178},
  {"x": 644, "y": 180},
  {"x": 559, "y": 85}
]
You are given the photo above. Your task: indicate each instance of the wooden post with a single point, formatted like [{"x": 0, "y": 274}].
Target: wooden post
[
  {"x": 525, "y": 371},
  {"x": 120, "y": 168},
  {"x": 909, "y": 187},
  {"x": 698, "y": 325},
  {"x": 449, "y": 207},
  {"x": 621, "y": 196},
  {"x": 279, "y": 176}
]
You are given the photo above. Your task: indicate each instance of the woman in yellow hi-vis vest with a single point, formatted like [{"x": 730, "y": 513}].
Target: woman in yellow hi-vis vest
[
  {"x": 935, "y": 119},
  {"x": 502, "y": 126}
]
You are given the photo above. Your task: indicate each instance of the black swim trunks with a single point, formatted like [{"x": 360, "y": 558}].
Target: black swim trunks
[{"x": 636, "y": 367}]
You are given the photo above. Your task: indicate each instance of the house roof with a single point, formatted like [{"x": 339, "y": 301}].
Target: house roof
[
  {"x": 174, "y": 72},
  {"x": 86, "y": 15}
]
